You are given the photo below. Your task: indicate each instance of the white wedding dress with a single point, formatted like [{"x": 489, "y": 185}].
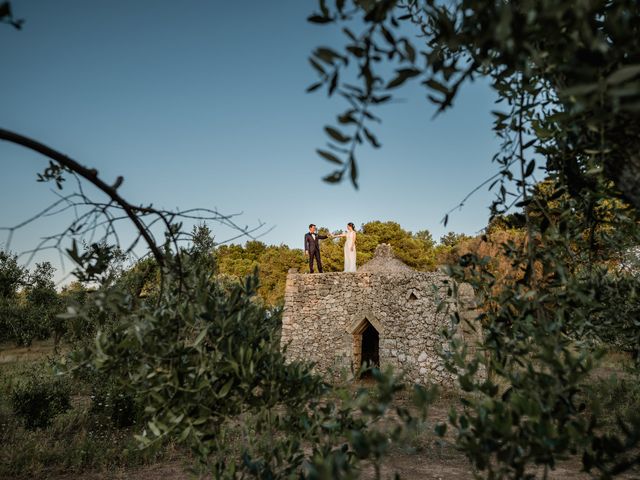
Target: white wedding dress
[{"x": 350, "y": 252}]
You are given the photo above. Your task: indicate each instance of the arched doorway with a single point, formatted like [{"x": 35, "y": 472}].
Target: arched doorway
[
  {"x": 366, "y": 332},
  {"x": 370, "y": 347}
]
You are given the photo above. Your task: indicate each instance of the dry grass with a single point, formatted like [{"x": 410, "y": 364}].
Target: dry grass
[
  {"x": 11, "y": 355},
  {"x": 424, "y": 456}
]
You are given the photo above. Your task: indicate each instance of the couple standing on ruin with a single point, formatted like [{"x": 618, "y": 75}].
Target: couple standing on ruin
[{"x": 312, "y": 247}]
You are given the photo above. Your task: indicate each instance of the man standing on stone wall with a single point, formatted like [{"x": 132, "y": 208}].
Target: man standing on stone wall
[{"x": 312, "y": 247}]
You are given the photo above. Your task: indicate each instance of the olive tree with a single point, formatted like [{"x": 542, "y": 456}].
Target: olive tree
[{"x": 567, "y": 77}]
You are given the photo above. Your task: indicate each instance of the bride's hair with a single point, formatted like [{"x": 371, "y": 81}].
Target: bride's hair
[{"x": 353, "y": 227}]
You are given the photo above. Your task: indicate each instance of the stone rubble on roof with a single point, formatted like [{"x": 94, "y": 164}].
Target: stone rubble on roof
[{"x": 384, "y": 261}]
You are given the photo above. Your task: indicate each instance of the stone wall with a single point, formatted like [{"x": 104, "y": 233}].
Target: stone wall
[{"x": 326, "y": 314}]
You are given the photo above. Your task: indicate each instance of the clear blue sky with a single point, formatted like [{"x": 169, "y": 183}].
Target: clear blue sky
[{"x": 203, "y": 103}]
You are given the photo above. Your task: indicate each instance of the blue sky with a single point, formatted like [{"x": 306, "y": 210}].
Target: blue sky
[{"x": 203, "y": 103}]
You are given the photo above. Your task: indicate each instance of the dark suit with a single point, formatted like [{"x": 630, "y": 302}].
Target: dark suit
[{"x": 312, "y": 247}]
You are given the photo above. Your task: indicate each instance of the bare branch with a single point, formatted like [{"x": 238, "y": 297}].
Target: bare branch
[
  {"x": 91, "y": 175},
  {"x": 91, "y": 217}
]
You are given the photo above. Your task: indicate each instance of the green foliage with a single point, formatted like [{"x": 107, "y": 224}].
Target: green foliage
[
  {"x": 202, "y": 240},
  {"x": 528, "y": 406},
  {"x": 206, "y": 362},
  {"x": 203, "y": 247},
  {"x": 39, "y": 396},
  {"x": 73, "y": 296},
  {"x": 33, "y": 323},
  {"x": 142, "y": 279},
  {"x": 116, "y": 403},
  {"x": 229, "y": 355},
  {"x": 452, "y": 239},
  {"x": 566, "y": 75},
  {"x": 274, "y": 261},
  {"x": 416, "y": 250},
  {"x": 12, "y": 275},
  {"x": 617, "y": 399},
  {"x": 6, "y": 16},
  {"x": 615, "y": 320},
  {"x": 12, "y": 316},
  {"x": 40, "y": 288},
  {"x": 44, "y": 305},
  {"x": 73, "y": 443},
  {"x": 97, "y": 262},
  {"x": 616, "y": 396},
  {"x": 31, "y": 307},
  {"x": 29, "y": 302},
  {"x": 581, "y": 83},
  {"x": 204, "y": 355}
]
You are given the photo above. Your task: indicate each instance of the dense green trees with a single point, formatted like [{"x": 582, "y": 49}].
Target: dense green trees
[
  {"x": 29, "y": 302},
  {"x": 418, "y": 250},
  {"x": 11, "y": 275},
  {"x": 273, "y": 261}
]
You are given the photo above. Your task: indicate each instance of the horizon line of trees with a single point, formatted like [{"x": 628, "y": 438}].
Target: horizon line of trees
[{"x": 33, "y": 307}]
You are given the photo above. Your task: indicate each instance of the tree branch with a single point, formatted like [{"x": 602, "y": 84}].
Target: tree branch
[{"x": 91, "y": 175}]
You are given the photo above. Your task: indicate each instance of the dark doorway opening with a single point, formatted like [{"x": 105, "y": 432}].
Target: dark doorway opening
[{"x": 370, "y": 347}]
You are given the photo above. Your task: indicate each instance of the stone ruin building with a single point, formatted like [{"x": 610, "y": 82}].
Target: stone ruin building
[{"x": 384, "y": 314}]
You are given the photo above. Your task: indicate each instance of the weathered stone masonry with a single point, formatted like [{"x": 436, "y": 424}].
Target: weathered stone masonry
[{"x": 385, "y": 313}]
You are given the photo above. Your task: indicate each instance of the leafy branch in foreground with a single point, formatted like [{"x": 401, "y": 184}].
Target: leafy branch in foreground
[
  {"x": 208, "y": 367},
  {"x": 567, "y": 77},
  {"x": 6, "y": 16},
  {"x": 92, "y": 216},
  {"x": 585, "y": 57}
]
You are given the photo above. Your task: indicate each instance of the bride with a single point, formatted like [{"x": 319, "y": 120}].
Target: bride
[{"x": 349, "y": 248}]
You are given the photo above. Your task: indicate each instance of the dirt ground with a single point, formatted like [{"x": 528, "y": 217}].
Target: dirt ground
[
  {"x": 432, "y": 460},
  {"x": 416, "y": 466},
  {"x": 10, "y": 354}
]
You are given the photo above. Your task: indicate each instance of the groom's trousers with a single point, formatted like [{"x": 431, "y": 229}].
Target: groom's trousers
[{"x": 315, "y": 254}]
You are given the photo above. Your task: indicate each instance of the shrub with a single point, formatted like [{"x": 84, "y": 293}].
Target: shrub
[
  {"x": 618, "y": 397},
  {"x": 110, "y": 399},
  {"x": 39, "y": 397},
  {"x": 70, "y": 446}
]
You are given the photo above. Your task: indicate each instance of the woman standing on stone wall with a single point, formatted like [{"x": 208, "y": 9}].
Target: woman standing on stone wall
[{"x": 349, "y": 248}]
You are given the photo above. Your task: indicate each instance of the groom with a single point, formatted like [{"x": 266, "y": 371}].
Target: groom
[{"x": 312, "y": 247}]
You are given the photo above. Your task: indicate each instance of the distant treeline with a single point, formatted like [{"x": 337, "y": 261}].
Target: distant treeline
[
  {"x": 30, "y": 303},
  {"x": 418, "y": 250}
]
